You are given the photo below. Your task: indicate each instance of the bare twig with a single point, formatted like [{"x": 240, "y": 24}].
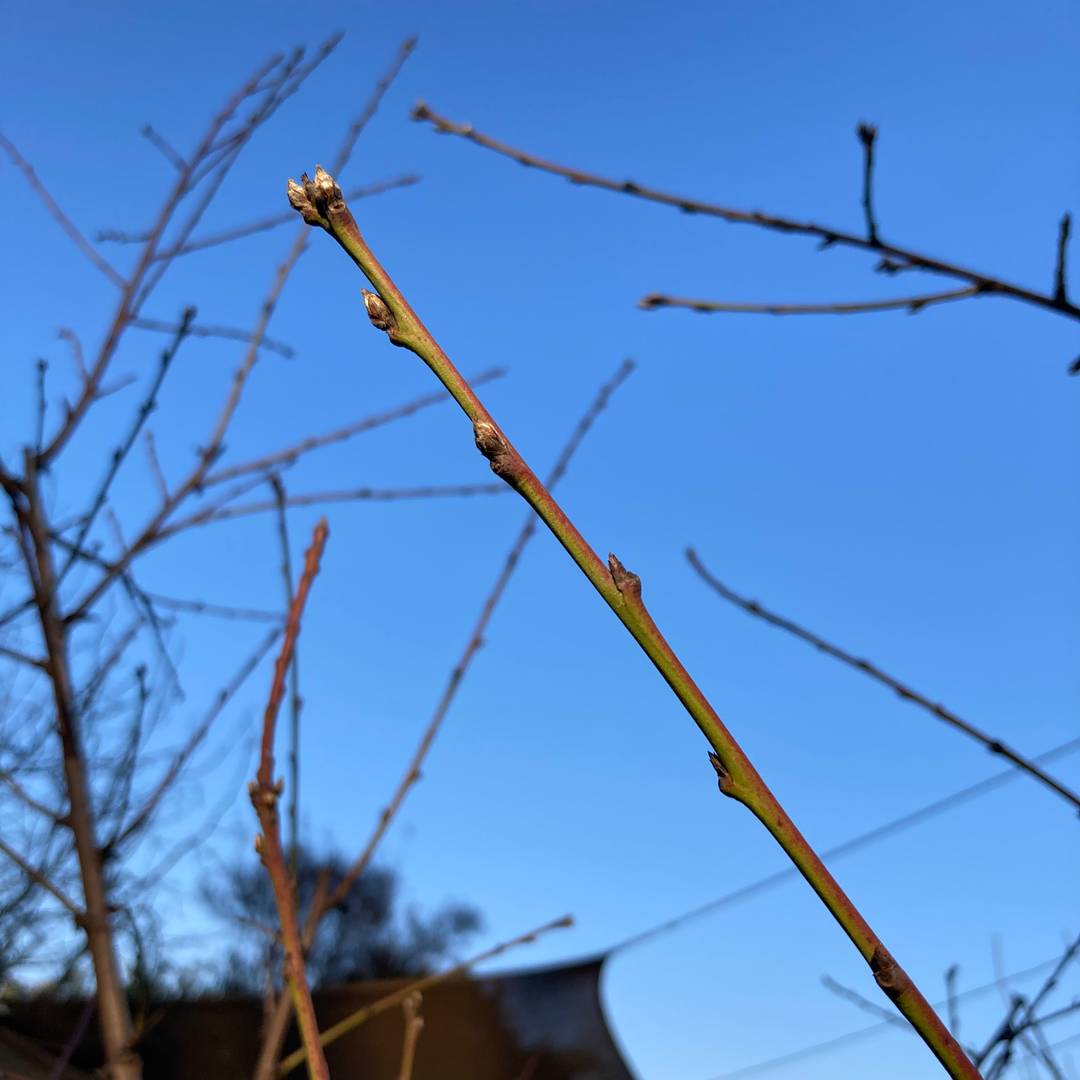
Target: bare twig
[
  {"x": 183, "y": 755},
  {"x": 319, "y": 201},
  {"x": 294, "y": 679},
  {"x": 39, "y": 430},
  {"x": 392, "y": 1001},
  {"x": 290, "y": 454},
  {"x": 221, "y": 611},
  {"x": 39, "y": 877},
  {"x": 414, "y": 1025},
  {"x": 227, "y": 333},
  {"x": 994, "y": 745},
  {"x": 58, "y": 215},
  {"x": 912, "y": 304},
  {"x": 238, "y": 232},
  {"x": 860, "y": 1002},
  {"x": 1060, "y": 284},
  {"x": 160, "y": 143},
  {"x": 116, "y": 459},
  {"x": 951, "y": 974},
  {"x": 475, "y": 642},
  {"x": 264, "y": 797},
  {"x": 900, "y": 258},
  {"x": 867, "y": 135},
  {"x": 155, "y": 466}
]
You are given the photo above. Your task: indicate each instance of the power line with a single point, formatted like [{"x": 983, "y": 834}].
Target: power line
[{"x": 846, "y": 847}]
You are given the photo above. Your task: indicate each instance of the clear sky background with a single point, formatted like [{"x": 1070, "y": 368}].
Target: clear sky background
[{"x": 904, "y": 485}]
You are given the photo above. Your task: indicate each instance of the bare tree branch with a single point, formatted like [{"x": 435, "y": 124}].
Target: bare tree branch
[
  {"x": 912, "y": 304},
  {"x": 899, "y": 257},
  {"x": 994, "y": 745},
  {"x": 58, "y": 215}
]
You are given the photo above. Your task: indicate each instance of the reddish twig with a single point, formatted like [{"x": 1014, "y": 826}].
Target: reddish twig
[
  {"x": 994, "y": 745},
  {"x": 264, "y": 797},
  {"x": 414, "y": 1025}
]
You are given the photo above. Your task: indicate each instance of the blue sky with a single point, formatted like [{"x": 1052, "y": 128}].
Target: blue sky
[{"x": 904, "y": 485}]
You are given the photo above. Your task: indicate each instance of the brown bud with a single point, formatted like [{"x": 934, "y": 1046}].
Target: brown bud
[
  {"x": 382, "y": 318},
  {"x": 627, "y": 582}
]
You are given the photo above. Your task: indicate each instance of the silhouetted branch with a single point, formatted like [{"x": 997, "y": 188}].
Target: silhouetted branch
[
  {"x": 183, "y": 755},
  {"x": 994, "y": 745},
  {"x": 58, "y": 215},
  {"x": 40, "y": 878},
  {"x": 951, "y": 974},
  {"x": 912, "y": 304},
  {"x": 867, "y": 135},
  {"x": 227, "y": 333},
  {"x": 39, "y": 428},
  {"x": 117, "y": 457},
  {"x": 1060, "y": 284},
  {"x": 898, "y": 257}
]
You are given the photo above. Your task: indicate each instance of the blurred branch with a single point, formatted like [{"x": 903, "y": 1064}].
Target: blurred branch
[
  {"x": 264, "y": 797},
  {"x": 221, "y": 611},
  {"x": 40, "y": 878},
  {"x": 913, "y": 304},
  {"x": 896, "y": 258},
  {"x": 58, "y": 215},
  {"x": 183, "y": 755},
  {"x": 994, "y": 745},
  {"x": 228, "y": 333},
  {"x": 867, "y": 136},
  {"x": 860, "y": 1002},
  {"x": 159, "y": 142},
  {"x": 1060, "y": 284},
  {"x": 290, "y": 454},
  {"x": 391, "y": 1001}
]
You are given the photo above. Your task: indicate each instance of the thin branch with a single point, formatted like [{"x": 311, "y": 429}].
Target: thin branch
[
  {"x": 24, "y": 658},
  {"x": 994, "y": 745},
  {"x": 40, "y": 878},
  {"x": 227, "y": 333},
  {"x": 912, "y": 304},
  {"x": 320, "y": 202},
  {"x": 294, "y": 678},
  {"x": 117, "y": 457},
  {"x": 155, "y": 466},
  {"x": 290, "y": 454},
  {"x": 1060, "y": 284},
  {"x": 221, "y": 611},
  {"x": 867, "y": 135},
  {"x": 392, "y": 1001},
  {"x": 414, "y": 1025},
  {"x": 238, "y": 232},
  {"x": 23, "y": 795},
  {"x": 384, "y": 83},
  {"x": 39, "y": 430},
  {"x": 264, "y": 797},
  {"x": 183, "y": 755},
  {"x": 828, "y": 236},
  {"x": 319, "y": 498},
  {"x": 856, "y": 999},
  {"x": 951, "y": 974},
  {"x": 59, "y": 216},
  {"x": 160, "y": 143},
  {"x": 474, "y": 644}
]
